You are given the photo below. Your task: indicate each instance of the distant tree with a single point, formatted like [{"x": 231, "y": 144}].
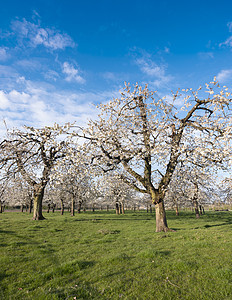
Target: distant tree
[
  {"x": 190, "y": 186},
  {"x": 33, "y": 153},
  {"x": 73, "y": 177},
  {"x": 115, "y": 192},
  {"x": 148, "y": 136}
]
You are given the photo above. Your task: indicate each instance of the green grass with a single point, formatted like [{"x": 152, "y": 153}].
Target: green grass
[{"x": 103, "y": 256}]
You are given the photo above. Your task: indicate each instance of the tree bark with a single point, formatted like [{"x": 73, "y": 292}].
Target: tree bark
[
  {"x": 123, "y": 208},
  {"x": 30, "y": 205},
  {"x": 1, "y": 208},
  {"x": 196, "y": 209},
  {"x": 117, "y": 208},
  {"x": 62, "y": 206},
  {"x": 73, "y": 206},
  {"x": 38, "y": 198},
  {"x": 161, "y": 221},
  {"x": 120, "y": 208},
  {"x": 177, "y": 210},
  {"x": 200, "y": 207},
  {"x": 79, "y": 207}
]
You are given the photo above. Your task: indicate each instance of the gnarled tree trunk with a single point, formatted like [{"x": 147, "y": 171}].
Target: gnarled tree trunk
[
  {"x": 161, "y": 221},
  {"x": 38, "y": 198}
]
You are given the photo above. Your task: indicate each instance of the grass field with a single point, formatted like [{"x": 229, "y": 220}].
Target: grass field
[{"x": 103, "y": 256}]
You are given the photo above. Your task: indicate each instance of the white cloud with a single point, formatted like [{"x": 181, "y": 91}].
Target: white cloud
[
  {"x": 224, "y": 75},
  {"x": 34, "y": 35},
  {"x": 38, "y": 105},
  {"x": 206, "y": 55},
  {"x": 229, "y": 25},
  {"x": 228, "y": 41},
  {"x": 156, "y": 73},
  {"x": 3, "y": 54},
  {"x": 4, "y": 102},
  {"x": 72, "y": 74}
]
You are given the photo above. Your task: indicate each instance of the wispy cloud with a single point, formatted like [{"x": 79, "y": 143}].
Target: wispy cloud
[
  {"x": 206, "y": 55},
  {"x": 72, "y": 73},
  {"x": 3, "y": 54},
  {"x": 228, "y": 41},
  {"x": 224, "y": 75},
  {"x": 156, "y": 73},
  {"x": 33, "y": 34}
]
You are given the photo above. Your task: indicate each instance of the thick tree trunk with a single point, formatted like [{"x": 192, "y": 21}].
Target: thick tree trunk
[
  {"x": 38, "y": 198},
  {"x": 161, "y": 221}
]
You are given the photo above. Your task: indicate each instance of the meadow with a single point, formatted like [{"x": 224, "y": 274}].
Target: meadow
[{"x": 101, "y": 255}]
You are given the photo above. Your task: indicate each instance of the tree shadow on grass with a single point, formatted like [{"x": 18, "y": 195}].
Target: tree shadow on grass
[
  {"x": 6, "y": 231},
  {"x": 120, "y": 272},
  {"x": 216, "y": 225}
]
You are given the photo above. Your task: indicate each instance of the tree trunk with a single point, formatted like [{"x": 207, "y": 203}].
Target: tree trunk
[
  {"x": 161, "y": 221},
  {"x": 73, "y": 206},
  {"x": 117, "y": 208},
  {"x": 38, "y": 198},
  {"x": 62, "y": 207},
  {"x": 22, "y": 207},
  {"x": 48, "y": 208},
  {"x": 120, "y": 208},
  {"x": 200, "y": 207},
  {"x": 123, "y": 208},
  {"x": 1, "y": 208},
  {"x": 196, "y": 209},
  {"x": 79, "y": 207},
  {"x": 53, "y": 207},
  {"x": 177, "y": 210},
  {"x": 30, "y": 205}
]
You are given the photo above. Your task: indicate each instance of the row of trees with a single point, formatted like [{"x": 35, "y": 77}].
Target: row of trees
[{"x": 163, "y": 149}]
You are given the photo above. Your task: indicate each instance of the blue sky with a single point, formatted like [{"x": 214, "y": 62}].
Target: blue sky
[{"x": 59, "y": 57}]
